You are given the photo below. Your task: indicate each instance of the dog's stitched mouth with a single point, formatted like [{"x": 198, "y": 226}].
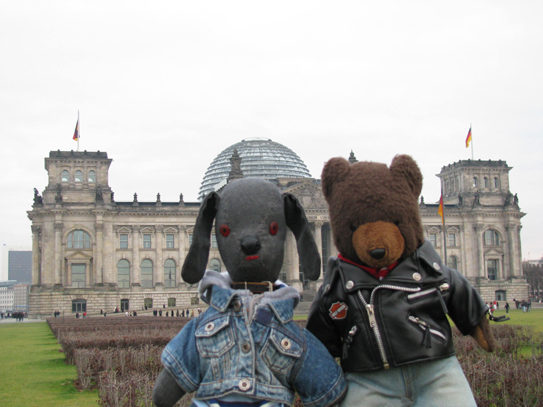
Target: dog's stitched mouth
[{"x": 249, "y": 258}]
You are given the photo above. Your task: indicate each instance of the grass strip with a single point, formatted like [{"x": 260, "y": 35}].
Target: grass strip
[{"x": 33, "y": 371}]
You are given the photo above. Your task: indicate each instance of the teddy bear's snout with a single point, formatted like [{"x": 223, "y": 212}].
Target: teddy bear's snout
[
  {"x": 378, "y": 254},
  {"x": 250, "y": 245}
]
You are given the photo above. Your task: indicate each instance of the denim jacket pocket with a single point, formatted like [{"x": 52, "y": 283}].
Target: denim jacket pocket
[
  {"x": 214, "y": 337},
  {"x": 281, "y": 351}
]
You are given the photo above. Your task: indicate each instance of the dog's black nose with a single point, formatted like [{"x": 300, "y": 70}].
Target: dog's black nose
[
  {"x": 378, "y": 254},
  {"x": 250, "y": 245}
]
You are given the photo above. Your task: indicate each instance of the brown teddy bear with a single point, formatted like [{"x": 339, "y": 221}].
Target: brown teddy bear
[{"x": 384, "y": 301}]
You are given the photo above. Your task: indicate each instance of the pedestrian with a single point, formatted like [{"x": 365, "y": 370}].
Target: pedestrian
[
  {"x": 529, "y": 305},
  {"x": 101, "y": 311},
  {"x": 506, "y": 307},
  {"x": 77, "y": 314}
]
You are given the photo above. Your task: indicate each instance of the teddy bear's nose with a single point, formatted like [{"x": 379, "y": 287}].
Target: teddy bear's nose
[
  {"x": 250, "y": 245},
  {"x": 378, "y": 254}
]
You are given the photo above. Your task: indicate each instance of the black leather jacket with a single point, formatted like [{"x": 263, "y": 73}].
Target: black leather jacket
[{"x": 402, "y": 319}]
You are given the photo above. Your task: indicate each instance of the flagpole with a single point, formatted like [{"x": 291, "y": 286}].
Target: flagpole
[
  {"x": 442, "y": 209},
  {"x": 79, "y": 131},
  {"x": 471, "y": 129}
]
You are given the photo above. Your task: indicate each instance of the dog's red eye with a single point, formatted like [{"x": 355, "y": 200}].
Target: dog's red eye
[
  {"x": 274, "y": 227},
  {"x": 225, "y": 230}
]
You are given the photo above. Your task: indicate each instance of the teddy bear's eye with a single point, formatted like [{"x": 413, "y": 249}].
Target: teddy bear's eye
[
  {"x": 397, "y": 223},
  {"x": 225, "y": 230},
  {"x": 274, "y": 227},
  {"x": 352, "y": 227}
]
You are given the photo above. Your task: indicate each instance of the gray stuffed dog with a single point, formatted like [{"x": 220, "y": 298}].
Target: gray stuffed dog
[{"x": 245, "y": 349}]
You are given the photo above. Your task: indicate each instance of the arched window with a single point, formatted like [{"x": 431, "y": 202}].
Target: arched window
[
  {"x": 496, "y": 183},
  {"x": 491, "y": 238},
  {"x": 452, "y": 262},
  {"x": 147, "y": 273},
  {"x": 123, "y": 274},
  {"x": 65, "y": 176},
  {"x": 215, "y": 264},
  {"x": 475, "y": 182},
  {"x": 486, "y": 182},
  {"x": 78, "y": 176},
  {"x": 92, "y": 177},
  {"x": 78, "y": 239},
  {"x": 169, "y": 273}
]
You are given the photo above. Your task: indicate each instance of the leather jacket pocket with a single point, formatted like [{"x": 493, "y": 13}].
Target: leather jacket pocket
[
  {"x": 427, "y": 332},
  {"x": 281, "y": 351},
  {"x": 215, "y": 337}
]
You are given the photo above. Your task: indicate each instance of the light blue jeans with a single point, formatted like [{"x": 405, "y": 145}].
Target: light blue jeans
[{"x": 426, "y": 384}]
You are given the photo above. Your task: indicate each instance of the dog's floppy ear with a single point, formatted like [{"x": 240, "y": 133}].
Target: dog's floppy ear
[
  {"x": 195, "y": 263},
  {"x": 310, "y": 261}
]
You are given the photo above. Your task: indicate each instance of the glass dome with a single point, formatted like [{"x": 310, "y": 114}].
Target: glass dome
[{"x": 260, "y": 157}]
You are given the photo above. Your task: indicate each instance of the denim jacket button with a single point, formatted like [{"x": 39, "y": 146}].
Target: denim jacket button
[
  {"x": 246, "y": 347},
  {"x": 209, "y": 327},
  {"x": 244, "y": 384},
  {"x": 285, "y": 343},
  {"x": 237, "y": 305}
]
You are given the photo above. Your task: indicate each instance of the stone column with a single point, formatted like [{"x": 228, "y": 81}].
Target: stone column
[
  {"x": 480, "y": 250},
  {"x": 58, "y": 253},
  {"x": 159, "y": 269},
  {"x": 136, "y": 272},
  {"x": 512, "y": 245},
  {"x": 36, "y": 269},
  {"x": 98, "y": 254},
  {"x": 293, "y": 272}
]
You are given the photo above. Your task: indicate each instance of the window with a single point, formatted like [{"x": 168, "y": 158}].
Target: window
[
  {"x": 215, "y": 264},
  {"x": 123, "y": 274},
  {"x": 169, "y": 273},
  {"x": 171, "y": 302},
  {"x": 79, "y": 305},
  {"x": 65, "y": 176},
  {"x": 78, "y": 276},
  {"x": 123, "y": 241},
  {"x": 492, "y": 269},
  {"x": 214, "y": 241},
  {"x": 486, "y": 182},
  {"x": 452, "y": 239},
  {"x": 475, "y": 182},
  {"x": 452, "y": 262},
  {"x": 147, "y": 273},
  {"x": 78, "y": 239},
  {"x": 500, "y": 295},
  {"x": 190, "y": 239},
  {"x": 170, "y": 242},
  {"x": 148, "y": 303},
  {"x": 491, "y": 238},
  {"x": 194, "y": 301},
  {"x": 496, "y": 183},
  {"x": 78, "y": 176},
  {"x": 92, "y": 177},
  {"x": 146, "y": 241},
  {"x": 433, "y": 239},
  {"x": 125, "y": 305}
]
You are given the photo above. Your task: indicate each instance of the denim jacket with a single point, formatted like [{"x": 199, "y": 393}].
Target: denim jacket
[{"x": 248, "y": 345}]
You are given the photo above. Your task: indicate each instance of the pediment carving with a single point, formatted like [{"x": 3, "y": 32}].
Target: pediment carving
[{"x": 309, "y": 195}]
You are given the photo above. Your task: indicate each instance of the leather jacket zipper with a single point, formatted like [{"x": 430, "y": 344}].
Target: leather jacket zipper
[
  {"x": 373, "y": 321},
  {"x": 427, "y": 331}
]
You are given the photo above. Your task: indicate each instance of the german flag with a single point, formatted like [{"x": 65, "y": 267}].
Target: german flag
[
  {"x": 468, "y": 138},
  {"x": 440, "y": 209},
  {"x": 76, "y": 132}
]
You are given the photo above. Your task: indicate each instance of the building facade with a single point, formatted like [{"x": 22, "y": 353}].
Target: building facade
[
  {"x": 20, "y": 265},
  {"x": 91, "y": 253}
]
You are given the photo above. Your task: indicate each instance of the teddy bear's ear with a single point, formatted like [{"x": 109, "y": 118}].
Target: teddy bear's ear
[
  {"x": 310, "y": 260},
  {"x": 336, "y": 169},
  {"x": 405, "y": 167},
  {"x": 195, "y": 263}
]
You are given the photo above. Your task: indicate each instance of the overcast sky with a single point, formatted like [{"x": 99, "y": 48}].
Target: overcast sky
[{"x": 164, "y": 87}]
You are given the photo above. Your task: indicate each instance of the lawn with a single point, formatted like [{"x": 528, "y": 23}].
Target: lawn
[
  {"x": 533, "y": 319},
  {"x": 33, "y": 371}
]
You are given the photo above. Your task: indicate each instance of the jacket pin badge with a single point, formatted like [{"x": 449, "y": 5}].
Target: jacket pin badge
[{"x": 338, "y": 310}]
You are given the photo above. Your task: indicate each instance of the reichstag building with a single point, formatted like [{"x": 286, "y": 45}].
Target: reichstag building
[{"x": 92, "y": 253}]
